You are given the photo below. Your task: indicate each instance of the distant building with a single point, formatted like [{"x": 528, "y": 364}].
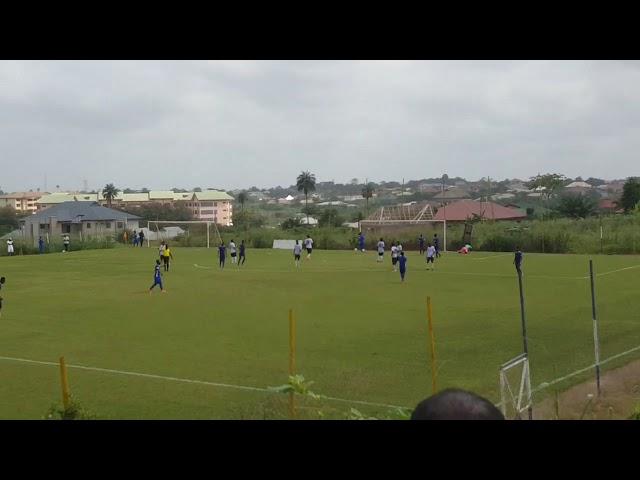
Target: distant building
[
  {"x": 21, "y": 201},
  {"x": 213, "y": 206},
  {"x": 453, "y": 193},
  {"x": 79, "y": 219},
  {"x": 210, "y": 205}
]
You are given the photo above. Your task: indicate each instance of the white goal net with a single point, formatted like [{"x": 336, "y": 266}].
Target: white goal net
[
  {"x": 515, "y": 387},
  {"x": 184, "y": 233}
]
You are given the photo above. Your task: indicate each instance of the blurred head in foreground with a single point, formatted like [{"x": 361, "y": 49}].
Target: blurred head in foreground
[{"x": 456, "y": 404}]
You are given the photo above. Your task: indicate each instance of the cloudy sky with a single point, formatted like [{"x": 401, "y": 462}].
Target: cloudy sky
[{"x": 227, "y": 124}]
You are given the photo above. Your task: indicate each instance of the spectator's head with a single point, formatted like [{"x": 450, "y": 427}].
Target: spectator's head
[
  {"x": 157, "y": 262},
  {"x": 456, "y": 404},
  {"x": 402, "y": 254},
  {"x": 2, "y": 280}
]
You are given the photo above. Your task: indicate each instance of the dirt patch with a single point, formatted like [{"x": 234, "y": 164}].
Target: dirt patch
[{"x": 620, "y": 395}]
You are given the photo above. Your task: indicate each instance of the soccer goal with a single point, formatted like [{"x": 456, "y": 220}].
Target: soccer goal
[
  {"x": 516, "y": 376},
  {"x": 192, "y": 233},
  {"x": 405, "y": 219}
]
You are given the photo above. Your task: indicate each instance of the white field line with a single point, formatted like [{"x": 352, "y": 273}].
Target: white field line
[
  {"x": 200, "y": 266},
  {"x": 614, "y": 271},
  {"x": 187, "y": 380},
  {"x": 493, "y": 256}
]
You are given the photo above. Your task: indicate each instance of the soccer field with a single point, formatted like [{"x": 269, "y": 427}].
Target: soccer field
[{"x": 361, "y": 334}]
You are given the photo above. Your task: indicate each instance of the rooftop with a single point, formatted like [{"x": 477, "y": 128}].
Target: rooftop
[{"x": 76, "y": 210}]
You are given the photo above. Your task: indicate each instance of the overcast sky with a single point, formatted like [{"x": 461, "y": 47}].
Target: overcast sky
[{"x": 228, "y": 124}]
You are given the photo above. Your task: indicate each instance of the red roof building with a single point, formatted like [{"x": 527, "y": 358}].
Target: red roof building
[{"x": 468, "y": 209}]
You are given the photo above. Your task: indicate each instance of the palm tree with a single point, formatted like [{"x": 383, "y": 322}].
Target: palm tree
[
  {"x": 109, "y": 192},
  {"x": 306, "y": 183},
  {"x": 367, "y": 193}
]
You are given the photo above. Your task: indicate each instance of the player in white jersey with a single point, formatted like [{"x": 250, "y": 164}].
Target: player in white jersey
[
  {"x": 308, "y": 244},
  {"x": 297, "y": 250},
  {"x": 394, "y": 255},
  {"x": 233, "y": 251},
  {"x": 381, "y": 250},
  {"x": 10, "y": 247},
  {"x": 431, "y": 257}
]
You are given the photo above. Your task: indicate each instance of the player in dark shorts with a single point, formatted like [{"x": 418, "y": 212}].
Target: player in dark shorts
[
  {"x": 421, "y": 244},
  {"x": 517, "y": 260},
  {"x": 2, "y": 280},
  {"x": 436, "y": 243},
  {"x": 157, "y": 278},
  {"x": 222, "y": 254},
  {"x": 241, "y": 257}
]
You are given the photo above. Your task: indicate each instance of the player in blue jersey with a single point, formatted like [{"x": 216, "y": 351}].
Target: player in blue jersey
[
  {"x": 517, "y": 260},
  {"x": 402, "y": 262},
  {"x": 436, "y": 244},
  {"x": 361, "y": 242},
  {"x": 222, "y": 254},
  {"x": 421, "y": 244},
  {"x": 157, "y": 278}
]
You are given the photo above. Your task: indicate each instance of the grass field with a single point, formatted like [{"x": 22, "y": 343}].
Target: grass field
[{"x": 362, "y": 335}]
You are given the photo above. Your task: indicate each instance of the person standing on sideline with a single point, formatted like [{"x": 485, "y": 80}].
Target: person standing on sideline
[
  {"x": 308, "y": 243},
  {"x": 241, "y": 257},
  {"x": 431, "y": 256},
  {"x": 297, "y": 250},
  {"x": 166, "y": 257},
  {"x": 402, "y": 261},
  {"x": 41, "y": 245},
  {"x": 141, "y": 239},
  {"x": 2, "y": 280},
  {"x": 361, "y": 242},
  {"x": 399, "y": 247},
  {"x": 10, "y": 247},
  {"x": 134, "y": 238},
  {"x": 436, "y": 244},
  {"x": 517, "y": 260},
  {"x": 394, "y": 255},
  {"x": 66, "y": 242},
  {"x": 232, "y": 250},
  {"x": 125, "y": 237},
  {"x": 157, "y": 278},
  {"x": 380, "y": 250},
  {"x": 421, "y": 244},
  {"x": 222, "y": 249}
]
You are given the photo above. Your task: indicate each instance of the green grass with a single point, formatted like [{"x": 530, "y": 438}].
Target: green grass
[{"x": 361, "y": 333}]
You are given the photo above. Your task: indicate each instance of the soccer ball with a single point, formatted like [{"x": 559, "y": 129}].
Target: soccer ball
[{"x": 355, "y": 249}]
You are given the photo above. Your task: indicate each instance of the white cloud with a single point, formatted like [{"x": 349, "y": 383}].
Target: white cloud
[{"x": 240, "y": 123}]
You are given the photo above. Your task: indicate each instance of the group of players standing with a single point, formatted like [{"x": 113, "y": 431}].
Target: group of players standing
[{"x": 398, "y": 258}]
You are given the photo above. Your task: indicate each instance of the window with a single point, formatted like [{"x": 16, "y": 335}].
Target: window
[
  {"x": 107, "y": 224},
  {"x": 215, "y": 211},
  {"x": 88, "y": 225},
  {"x": 215, "y": 204},
  {"x": 66, "y": 228},
  {"x": 206, "y": 212},
  {"x": 120, "y": 225}
]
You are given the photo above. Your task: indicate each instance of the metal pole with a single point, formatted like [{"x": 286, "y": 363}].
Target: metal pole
[
  {"x": 207, "y": 234},
  {"x": 596, "y": 342},
  {"x": 524, "y": 330},
  {"x": 601, "y": 247},
  {"x": 445, "y": 234}
]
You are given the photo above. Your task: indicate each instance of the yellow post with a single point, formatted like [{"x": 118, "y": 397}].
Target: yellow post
[
  {"x": 433, "y": 347},
  {"x": 292, "y": 361},
  {"x": 65, "y": 384}
]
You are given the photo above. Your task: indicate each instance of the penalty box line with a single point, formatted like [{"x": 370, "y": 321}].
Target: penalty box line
[{"x": 187, "y": 380}]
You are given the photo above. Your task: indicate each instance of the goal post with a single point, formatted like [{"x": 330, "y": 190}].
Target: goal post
[
  {"x": 191, "y": 233},
  {"x": 512, "y": 404}
]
